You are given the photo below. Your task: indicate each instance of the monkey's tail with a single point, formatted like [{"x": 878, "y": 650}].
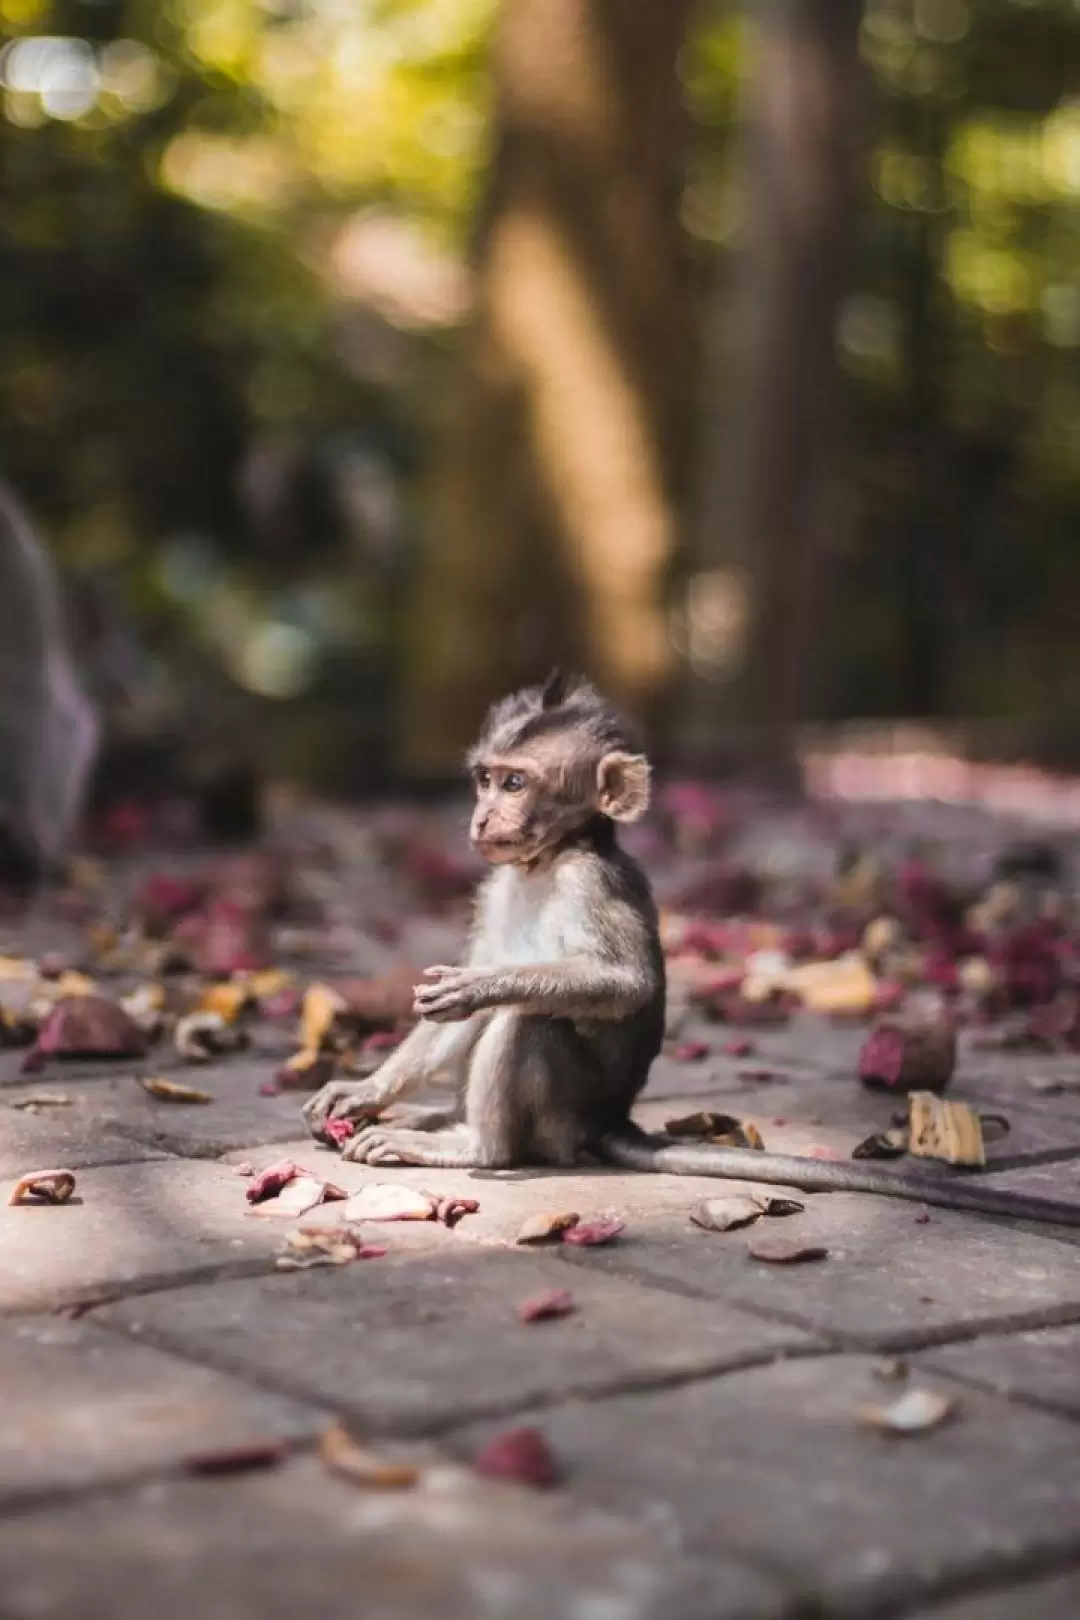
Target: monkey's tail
[{"x": 635, "y": 1149}]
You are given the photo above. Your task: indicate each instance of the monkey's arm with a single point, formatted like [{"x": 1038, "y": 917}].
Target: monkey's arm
[
  {"x": 427, "y": 1054},
  {"x": 580, "y": 987},
  {"x": 636, "y": 1150}
]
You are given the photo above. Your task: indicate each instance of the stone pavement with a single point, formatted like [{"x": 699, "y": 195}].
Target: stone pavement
[{"x": 701, "y": 1405}]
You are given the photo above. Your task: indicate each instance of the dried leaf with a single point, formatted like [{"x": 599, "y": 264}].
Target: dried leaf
[
  {"x": 390, "y": 1201},
  {"x": 785, "y": 1251},
  {"x": 726, "y": 1214},
  {"x": 328, "y": 1246},
  {"x": 242, "y": 1459},
  {"x": 38, "y": 1100},
  {"x": 690, "y": 1051},
  {"x": 89, "y": 1027},
  {"x": 302, "y": 1193},
  {"x": 591, "y": 1234},
  {"x": 546, "y": 1228},
  {"x": 228, "y": 1000},
  {"x": 914, "y": 1412},
  {"x": 949, "y": 1131},
  {"x": 882, "y": 1145},
  {"x": 723, "y": 1129},
  {"x": 343, "y": 1454},
  {"x": 321, "y": 1006},
  {"x": 43, "y": 1187},
  {"x": 545, "y": 1307},
  {"x": 203, "y": 1035},
  {"x": 173, "y": 1091},
  {"x": 269, "y": 1182},
  {"x": 450, "y": 1209},
  {"x": 520, "y": 1456},
  {"x": 909, "y": 1056}
]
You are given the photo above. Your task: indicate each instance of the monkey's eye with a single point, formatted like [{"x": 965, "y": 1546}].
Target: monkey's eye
[
  {"x": 513, "y": 782},
  {"x": 483, "y": 778}
]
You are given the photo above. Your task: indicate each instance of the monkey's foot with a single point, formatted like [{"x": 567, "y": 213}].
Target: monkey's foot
[{"x": 377, "y": 1144}]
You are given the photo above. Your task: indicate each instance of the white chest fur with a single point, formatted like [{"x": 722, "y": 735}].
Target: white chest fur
[{"x": 520, "y": 911}]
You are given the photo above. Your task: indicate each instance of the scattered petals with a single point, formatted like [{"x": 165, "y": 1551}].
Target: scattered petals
[
  {"x": 520, "y": 1456},
  {"x": 43, "y": 1187},
  {"x": 546, "y": 1227},
  {"x": 343, "y": 1454},
  {"x": 785, "y": 1251},
  {"x": 173, "y": 1092},
  {"x": 545, "y": 1307},
  {"x": 914, "y": 1412},
  {"x": 591, "y": 1234}
]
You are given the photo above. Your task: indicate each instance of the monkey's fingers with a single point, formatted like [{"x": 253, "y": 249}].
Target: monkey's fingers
[
  {"x": 327, "y": 1101},
  {"x": 450, "y": 1009},
  {"x": 438, "y": 972}
]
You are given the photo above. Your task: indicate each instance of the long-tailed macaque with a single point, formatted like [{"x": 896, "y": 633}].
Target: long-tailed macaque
[{"x": 547, "y": 1032}]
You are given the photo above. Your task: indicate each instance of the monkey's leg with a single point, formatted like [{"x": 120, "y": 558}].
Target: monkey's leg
[
  {"x": 429, "y": 1053},
  {"x": 494, "y": 1133},
  {"x": 422, "y": 1117}
]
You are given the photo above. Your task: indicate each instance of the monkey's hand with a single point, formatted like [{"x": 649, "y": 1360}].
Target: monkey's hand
[
  {"x": 343, "y": 1099},
  {"x": 454, "y": 994}
]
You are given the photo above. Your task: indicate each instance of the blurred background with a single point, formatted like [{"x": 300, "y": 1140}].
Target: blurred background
[{"x": 361, "y": 358}]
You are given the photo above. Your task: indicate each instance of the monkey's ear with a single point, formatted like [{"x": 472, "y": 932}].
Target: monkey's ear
[
  {"x": 556, "y": 689},
  {"x": 622, "y": 786}
]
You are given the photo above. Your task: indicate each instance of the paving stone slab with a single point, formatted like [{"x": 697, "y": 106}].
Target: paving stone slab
[
  {"x": 134, "y": 1225},
  {"x": 1055, "y": 1598},
  {"x": 74, "y": 1137},
  {"x": 83, "y": 1407},
  {"x": 294, "y": 1541},
  {"x": 237, "y": 1116},
  {"x": 416, "y": 1342},
  {"x": 772, "y": 1464},
  {"x": 888, "y": 1280},
  {"x": 1043, "y": 1366}
]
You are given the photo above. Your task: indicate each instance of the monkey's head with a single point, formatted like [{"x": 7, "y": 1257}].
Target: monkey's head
[{"x": 550, "y": 759}]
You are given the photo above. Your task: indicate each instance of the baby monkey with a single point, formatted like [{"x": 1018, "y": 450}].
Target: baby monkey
[{"x": 546, "y": 1034}]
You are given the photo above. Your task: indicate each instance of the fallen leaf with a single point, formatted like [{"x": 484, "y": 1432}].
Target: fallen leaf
[
  {"x": 546, "y": 1228},
  {"x": 545, "y": 1307},
  {"x": 726, "y": 1214},
  {"x": 37, "y": 1100},
  {"x": 909, "y": 1056},
  {"x": 343, "y": 1454},
  {"x": 520, "y": 1456},
  {"x": 242, "y": 1459},
  {"x": 321, "y": 1006},
  {"x": 722, "y": 1129},
  {"x": 690, "y": 1051},
  {"x": 949, "y": 1131},
  {"x": 173, "y": 1091},
  {"x": 785, "y": 1251},
  {"x": 87, "y": 1027},
  {"x": 390, "y": 1201},
  {"x": 590, "y": 1234},
  {"x": 882, "y": 1145},
  {"x": 269, "y": 1182},
  {"x": 203, "y": 1035},
  {"x": 43, "y": 1187},
  {"x": 450, "y": 1209},
  {"x": 327, "y": 1246},
  {"x": 914, "y": 1412},
  {"x": 302, "y": 1193},
  {"x": 228, "y": 1000}
]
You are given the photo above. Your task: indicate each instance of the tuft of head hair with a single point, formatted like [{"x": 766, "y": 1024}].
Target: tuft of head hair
[{"x": 602, "y": 752}]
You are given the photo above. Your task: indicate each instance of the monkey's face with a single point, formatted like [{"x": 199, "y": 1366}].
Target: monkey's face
[
  {"x": 513, "y": 818},
  {"x": 529, "y": 801}
]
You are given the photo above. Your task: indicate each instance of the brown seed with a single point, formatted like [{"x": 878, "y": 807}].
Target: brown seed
[
  {"x": 172, "y": 1091},
  {"x": 785, "y": 1251}
]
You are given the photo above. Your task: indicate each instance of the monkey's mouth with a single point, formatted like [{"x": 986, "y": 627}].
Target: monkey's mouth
[{"x": 498, "y": 848}]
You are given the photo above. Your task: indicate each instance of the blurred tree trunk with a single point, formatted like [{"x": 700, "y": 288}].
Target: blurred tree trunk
[
  {"x": 771, "y": 432},
  {"x": 552, "y": 524}
]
